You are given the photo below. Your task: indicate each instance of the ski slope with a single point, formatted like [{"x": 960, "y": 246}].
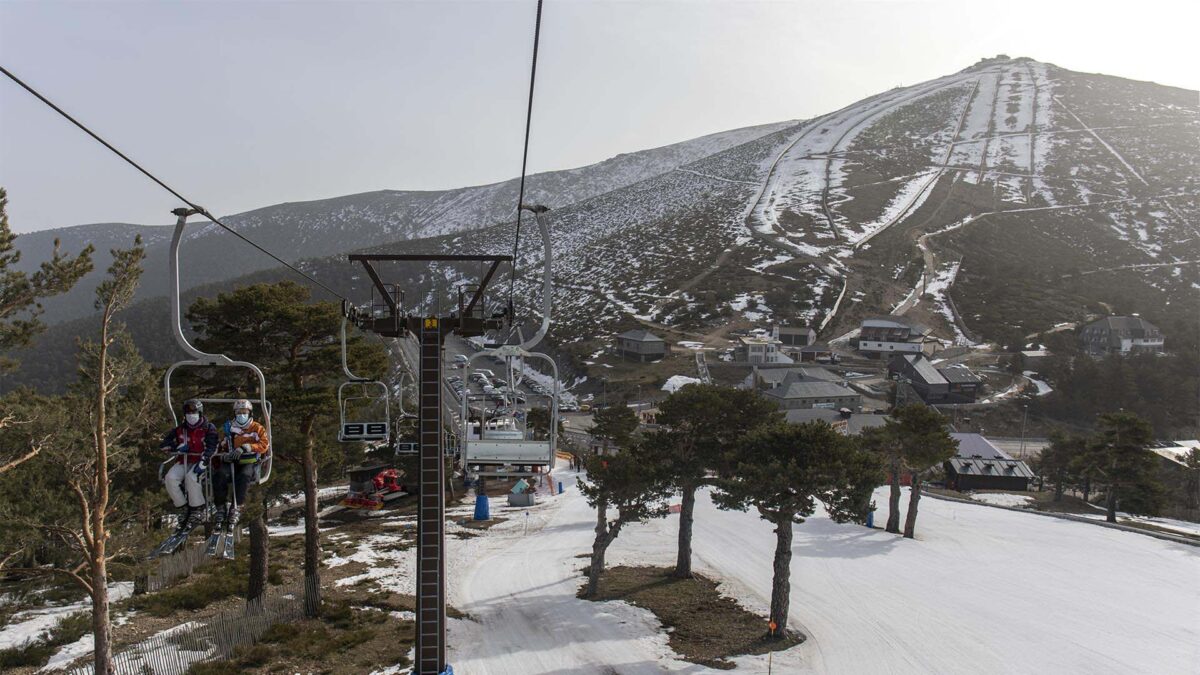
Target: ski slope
[{"x": 982, "y": 590}]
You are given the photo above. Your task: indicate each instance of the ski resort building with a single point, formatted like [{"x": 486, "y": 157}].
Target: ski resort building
[
  {"x": 641, "y": 345},
  {"x": 895, "y": 334},
  {"x": 793, "y": 338},
  {"x": 1121, "y": 335},
  {"x": 845, "y": 421},
  {"x": 769, "y": 378},
  {"x": 979, "y": 465},
  {"x": 951, "y": 384},
  {"x": 796, "y": 392},
  {"x": 756, "y": 349},
  {"x": 816, "y": 353}
]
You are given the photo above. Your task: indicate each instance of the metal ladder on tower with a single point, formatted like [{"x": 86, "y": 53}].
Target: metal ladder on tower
[{"x": 431, "y": 523}]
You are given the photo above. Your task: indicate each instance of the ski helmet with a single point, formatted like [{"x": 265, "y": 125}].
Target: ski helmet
[
  {"x": 242, "y": 404},
  {"x": 193, "y": 405}
]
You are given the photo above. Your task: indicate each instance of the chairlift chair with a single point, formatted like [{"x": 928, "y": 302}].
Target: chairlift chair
[
  {"x": 356, "y": 390},
  {"x": 204, "y": 360},
  {"x": 501, "y": 440}
]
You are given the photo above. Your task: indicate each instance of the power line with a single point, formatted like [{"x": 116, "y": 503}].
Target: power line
[
  {"x": 199, "y": 209},
  {"x": 537, "y": 32}
]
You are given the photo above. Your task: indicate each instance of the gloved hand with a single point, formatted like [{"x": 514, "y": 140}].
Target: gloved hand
[
  {"x": 199, "y": 467},
  {"x": 182, "y": 447},
  {"x": 231, "y": 456}
]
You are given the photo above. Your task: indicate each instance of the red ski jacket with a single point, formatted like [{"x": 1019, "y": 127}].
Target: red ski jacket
[{"x": 201, "y": 440}]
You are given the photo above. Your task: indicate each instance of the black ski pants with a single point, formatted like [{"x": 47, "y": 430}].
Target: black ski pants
[{"x": 243, "y": 476}]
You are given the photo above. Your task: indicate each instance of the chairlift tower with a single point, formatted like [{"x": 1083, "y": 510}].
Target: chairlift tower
[{"x": 468, "y": 319}]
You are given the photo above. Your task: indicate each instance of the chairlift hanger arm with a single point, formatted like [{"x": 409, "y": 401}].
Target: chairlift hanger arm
[
  {"x": 482, "y": 285},
  {"x": 383, "y": 290}
]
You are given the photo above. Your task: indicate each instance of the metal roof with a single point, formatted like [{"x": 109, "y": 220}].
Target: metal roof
[
  {"x": 959, "y": 375},
  {"x": 810, "y": 390},
  {"x": 1125, "y": 325},
  {"x": 855, "y": 423},
  {"x": 924, "y": 369},
  {"x": 640, "y": 335},
  {"x": 976, "y": 446},
  {"x": 776, "y": 376},
  {"x": 1005, "y": 468}
]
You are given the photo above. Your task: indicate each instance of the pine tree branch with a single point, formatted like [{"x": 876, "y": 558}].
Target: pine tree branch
[{"x": 33, "y": 452}]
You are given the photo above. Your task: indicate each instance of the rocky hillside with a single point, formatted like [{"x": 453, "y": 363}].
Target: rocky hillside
[
  {"x": 295, "y": 231},
  {"x": 992, "y": 203}
]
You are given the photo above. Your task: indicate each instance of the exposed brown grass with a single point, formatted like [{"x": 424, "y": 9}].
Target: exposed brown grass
[{"x": 705, "y": 627}]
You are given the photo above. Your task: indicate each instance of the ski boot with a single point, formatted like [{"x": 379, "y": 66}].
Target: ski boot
[
  {"x": 214, "y": 538},
  {"x": 231, "y": 523},
  {"x": 172, "y": 543}
]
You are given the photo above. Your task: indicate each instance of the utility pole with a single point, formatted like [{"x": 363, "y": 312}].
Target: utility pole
[{"x": 1024, "y": 420}]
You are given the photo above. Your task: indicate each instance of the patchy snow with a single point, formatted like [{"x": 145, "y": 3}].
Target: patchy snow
[
  {"x": 1002, "y": 499},
  {"x": 26, "y": 626},
  {"x": 1042, "y": 387},
  {"x": 742, "y": 303},
  {"x": 677, "y": 382}
]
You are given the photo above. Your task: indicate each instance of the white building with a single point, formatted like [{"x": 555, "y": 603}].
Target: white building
[
  {"x": 755, "y": 349},
  {"x": 895, "y": 335}
]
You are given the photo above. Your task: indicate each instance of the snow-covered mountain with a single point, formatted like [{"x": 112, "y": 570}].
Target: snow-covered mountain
[
  {"x": 295, "y": 231},
  {"x": 991, "y": 203},
  {"x": 1037, "y": 194}
]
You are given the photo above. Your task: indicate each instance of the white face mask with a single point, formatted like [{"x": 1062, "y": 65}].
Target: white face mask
[
  {"x": 192, "y": 418},
  {"x": 242, "y": 419}
]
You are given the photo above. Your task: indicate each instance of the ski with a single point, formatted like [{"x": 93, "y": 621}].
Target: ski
[
  {"x": 170, "y": 546},
  {"x": 228, "y": 552},
  {"x": 214, "y": 541}
]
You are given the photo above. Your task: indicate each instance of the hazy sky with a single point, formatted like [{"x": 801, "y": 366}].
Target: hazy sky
[{"x": 246, "y": 104}]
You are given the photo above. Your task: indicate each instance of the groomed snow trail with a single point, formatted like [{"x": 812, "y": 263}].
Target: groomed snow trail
[
  {"x": 982, "y": 590},
  {"x": 525, "y": 616}
]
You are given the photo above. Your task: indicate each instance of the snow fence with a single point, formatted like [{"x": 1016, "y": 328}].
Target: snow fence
[{"x": 175, "y": 650}]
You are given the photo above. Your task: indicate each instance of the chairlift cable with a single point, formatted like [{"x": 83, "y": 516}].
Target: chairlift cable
[
  {"x": 537, "y": 31},
  {"x": 199, "y": 209}
]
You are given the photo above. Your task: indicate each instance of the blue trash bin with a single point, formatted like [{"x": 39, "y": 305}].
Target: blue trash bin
[{"x": 482, "y": 507}]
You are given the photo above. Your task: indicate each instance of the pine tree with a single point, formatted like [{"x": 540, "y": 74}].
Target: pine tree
[
  {"x": 115, "y": 396},
  {"x": 924, "y": 443},
  {"x": 296, "y": 343},
  {"x": 883, "y": 442},
  {"x": 703, "y": 422},
  {"x": 1130, "y": 471},
  {"x": 631, "y": 484},
  {"x": 783, "y": 470},
  {"x": 20, "y": 294},
  {"x": 1056, "y": 461},
  {"x": 614, "y": 426}
]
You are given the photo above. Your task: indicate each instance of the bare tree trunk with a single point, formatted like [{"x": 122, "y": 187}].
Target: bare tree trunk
[
  {"x": 893, "y": 521},
  {"x": 683, "y": 563},
  {"x": 781, "y": 582},
  {"x": 312, "y": 533},
  {"x": 101, "y": 625},
  {"x": 1110, "y": 503},
  {"x": 599, "y": 547},
  {"x": 914, "y": 497},
  {"x": 1087, "y": 489},
  {"x": 259, "y": 555},
  {"x": 1058, "y": 489}
]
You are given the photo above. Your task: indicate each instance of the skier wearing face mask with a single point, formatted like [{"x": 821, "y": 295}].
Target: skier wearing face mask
[
  {"x": 194, "y": 442},
  {"x": 244, "y": 445}
]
